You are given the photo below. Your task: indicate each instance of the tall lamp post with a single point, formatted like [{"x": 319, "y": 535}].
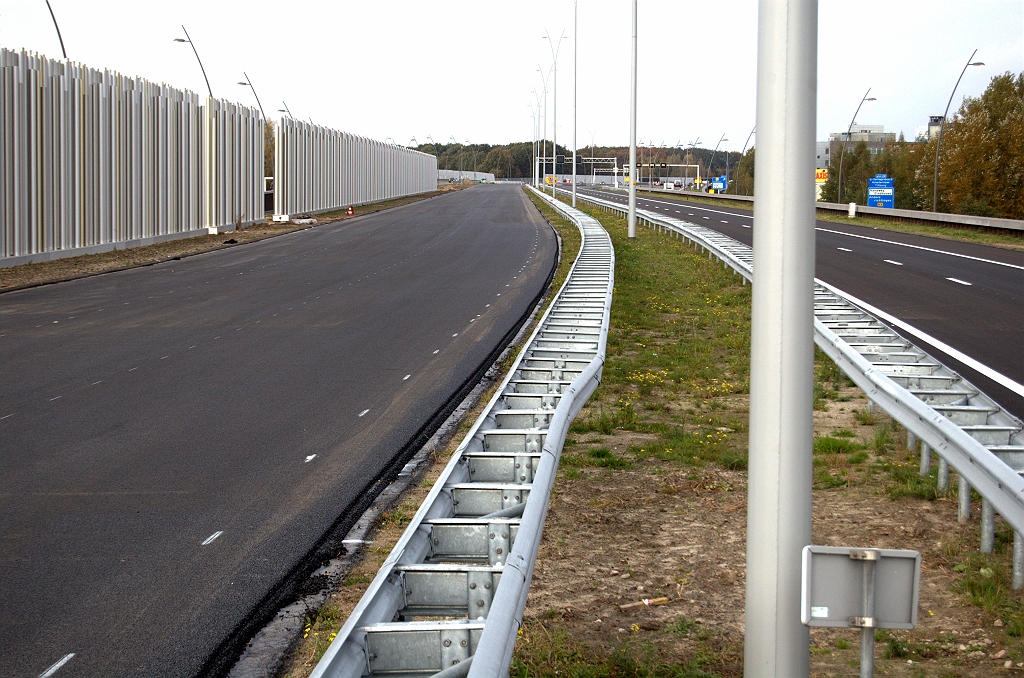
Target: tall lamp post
[
  {"x": 715, "y": 151},
  {"x": 575, "y": 50},
  {"x": 188, "y": 39},
  {"x": 248, "y": 83},
  {"x": 52, "y": 16},
  {"x": 842, "y": 153},
  {"x": 938, "y": 140},
  {"x": 544, "y": 137},
  {"x": 631, "y": 219},
  {"x": 555, "y": 47},
  {"x": 744, "y": 151}
]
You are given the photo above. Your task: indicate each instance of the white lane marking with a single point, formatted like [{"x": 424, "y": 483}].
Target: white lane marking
[
  {"x": 355, "y": 541},
  {"x": 216, "y": 337},
  {"x": 962, "y": 282},
  {"x": 499, "y": 294},
  {"x": 1000, "y": 379},
  {"x": 363, "y": 413},
  {"x": 487, "y": 306},
  {"x": 724, "y": 221},
  {"x": 472, "y": 320},
  {"x": 310, "y": 458},
  {"x": 705, "y": 217},
  {"x": 165, "y": 357},
  {"x": 843, "y": 249},
  {"x": 456, "y": 334},
  {"x": 209, "y": 540},
  {"x": 96, "y": 382},
  {"x": 926, "y": 249},
  {"x": 406, "y": 377},
  {"x": 678, "y": 212},
  {"x": 437, "y": 351},
  {"x": 132, "y": 369},
  {"x": 746, "y": 225},
  {"x": 52, "y": 399},
  {"x": 191, "y": 347},
  {"x": 890, "y": 261},
  {"x": 7, "y": 415},
  {"x": 56, "y": 667}
]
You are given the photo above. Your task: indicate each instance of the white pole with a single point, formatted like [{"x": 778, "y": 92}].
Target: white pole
[
  {"x": 777, "y": 645},
  {"x": 554, "y": 125},
  {"x": 575, "y": 44},
  {"x": 631, "y": 221}
]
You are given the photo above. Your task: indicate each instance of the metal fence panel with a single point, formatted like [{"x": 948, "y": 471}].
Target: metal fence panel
[
  {"x": 318, "y": 169},
  {"x": 92, "y": 158}
]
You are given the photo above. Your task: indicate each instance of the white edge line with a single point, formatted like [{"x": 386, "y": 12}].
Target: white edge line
[
  {"x": 56, "y": 667},
  {"x": 985, "y": 370},
  {"x": 919, "y": 247}
]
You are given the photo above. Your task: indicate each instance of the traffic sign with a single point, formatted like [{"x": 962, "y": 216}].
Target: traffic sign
[
  {"x": 821, "y": 175},
  {"x": 881, "y": 191},
  {"x": 718, "y": 183}
]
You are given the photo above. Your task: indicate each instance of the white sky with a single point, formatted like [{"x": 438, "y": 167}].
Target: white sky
[{"x": 466, "y": 69}]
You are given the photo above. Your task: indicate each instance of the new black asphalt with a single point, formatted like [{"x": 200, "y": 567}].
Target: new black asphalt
[
  {"x": 177, "y": 438},
  {"x": 918, "y": 279}
]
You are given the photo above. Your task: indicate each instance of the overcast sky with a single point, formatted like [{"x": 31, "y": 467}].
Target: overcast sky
[{"x": 465, "y": 70}]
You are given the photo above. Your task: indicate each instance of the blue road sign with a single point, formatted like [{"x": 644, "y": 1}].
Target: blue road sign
[
  {"x": 881, "y": 191},
  {"x": 718, "y": 183}
]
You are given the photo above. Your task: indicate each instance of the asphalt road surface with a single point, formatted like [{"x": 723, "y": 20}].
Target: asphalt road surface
[
  {"x": 966, "y": 295},
  {"x": 176, "y": 438}
]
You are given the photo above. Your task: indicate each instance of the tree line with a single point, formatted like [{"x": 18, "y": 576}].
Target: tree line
[{"x": 981, "y": 160}]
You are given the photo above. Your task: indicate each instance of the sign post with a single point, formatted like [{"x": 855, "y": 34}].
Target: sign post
[{"x": 881, "y": 191}]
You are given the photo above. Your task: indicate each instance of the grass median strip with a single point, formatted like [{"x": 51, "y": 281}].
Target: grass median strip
[{"x": 650, "y": 502}]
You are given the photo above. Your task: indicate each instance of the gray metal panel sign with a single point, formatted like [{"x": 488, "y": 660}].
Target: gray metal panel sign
[{"x": 833, "y": 587}]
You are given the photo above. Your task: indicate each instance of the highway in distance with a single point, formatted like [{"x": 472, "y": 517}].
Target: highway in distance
[
  {"x": 966, "y": 295},
  {"x": 177, "y": 440}
]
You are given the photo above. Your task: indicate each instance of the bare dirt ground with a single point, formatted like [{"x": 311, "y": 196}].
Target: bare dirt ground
[
  {"x": 91, "y": 264},
  {"x": 659, "y": 530}
]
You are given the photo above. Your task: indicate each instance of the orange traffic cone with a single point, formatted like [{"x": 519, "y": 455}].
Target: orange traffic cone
[{"x": 350, "y": 211}]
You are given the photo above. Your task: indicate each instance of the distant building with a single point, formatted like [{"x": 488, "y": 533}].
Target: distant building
[
  {"x": 934, "y": 124},
  {"x": 822, "y": 155},
  {"x": 874, "y": 136}
]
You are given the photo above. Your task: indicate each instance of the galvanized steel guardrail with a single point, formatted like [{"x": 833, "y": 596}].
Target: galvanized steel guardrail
[
  {"x": 466, "y": 559},
  {"x": 942, "y": 411},
  {"x": 933, "y": 218}
]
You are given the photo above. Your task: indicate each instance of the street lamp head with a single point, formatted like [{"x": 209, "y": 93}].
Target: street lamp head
[
  {"x": 244, "y": 84},
  {"x": 871, "y": 99},
  {"x": 977, "y": 63},
  {"x": 181, "y": 40}
]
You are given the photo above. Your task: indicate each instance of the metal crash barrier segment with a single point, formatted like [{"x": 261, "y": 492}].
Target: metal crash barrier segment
[
  {"x": 466, "y": 559},
  {"x": 942, "y": 412}
]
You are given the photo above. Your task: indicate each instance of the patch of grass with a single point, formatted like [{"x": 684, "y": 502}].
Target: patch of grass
[
  {"x": 906, "y": 481},
  {"x": 319, "y": 631},
  {"x": 842, "y": 644},
  {"x": 356, "y": 580},
  {"x": 864, "y": 417},
  {"x": 985, "y": 583},
  {"x": 605, "y": 458},
  {"x": 831, "y": 445},
  {"x": 540, "y": 652}
]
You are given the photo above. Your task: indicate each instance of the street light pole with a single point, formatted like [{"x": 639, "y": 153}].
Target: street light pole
[
  {"x": 248, "y": 83},
  {"x": 842, "y": 153},
  {"x": 744, "y": 151},
  {"x": 554, "y": 107},
  {"x": 52, "y": 16},
  {"x": 188, "y": 39},
  {"x": 942, "y": 125},
  {"x": 716, "y": 151},
  {"x": 575, "y": 51},
  {"x": 631, "y": 221},
  {"x": 776, "y": 644}
]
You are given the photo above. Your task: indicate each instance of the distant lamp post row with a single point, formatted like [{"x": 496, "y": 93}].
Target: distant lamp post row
[{"x": 942, "y": 125}]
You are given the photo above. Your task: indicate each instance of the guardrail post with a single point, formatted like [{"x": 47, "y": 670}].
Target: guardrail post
[
  {"x": 988, "y": 526},
  {"x": 1018, "y": 561},
  {"x": 963, "y": 491},
  {"x": 926, "y": 459},
  {"x": 911, "y": 440},
  {"x": 942, "y": 483},
  {"x": 782, "y": 350}
]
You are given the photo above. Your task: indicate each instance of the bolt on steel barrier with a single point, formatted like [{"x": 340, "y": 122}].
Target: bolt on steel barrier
[
  {"x": 943, "y": 412},
  {"x": 466, "y": 559}
]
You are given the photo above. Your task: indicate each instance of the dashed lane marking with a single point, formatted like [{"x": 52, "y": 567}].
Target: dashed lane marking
[
  {"x": 209, "y": 540},
  {"x": 843, "y": 249},
  {"x": 363, "y": 413},
  {"x": 57, "y": 666},
  {"x": 310, "y": 458},
  {"x": 890, "y": 261},
  {"x": 962, "y": 282}
]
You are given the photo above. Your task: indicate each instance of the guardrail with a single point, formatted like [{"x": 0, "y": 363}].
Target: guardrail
[
  {"x": 939, "y": 218},
  {"x": 466, "y": 558},
  {"x": 941, "y": 411},
  {"x": 94, "y": 160}
]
